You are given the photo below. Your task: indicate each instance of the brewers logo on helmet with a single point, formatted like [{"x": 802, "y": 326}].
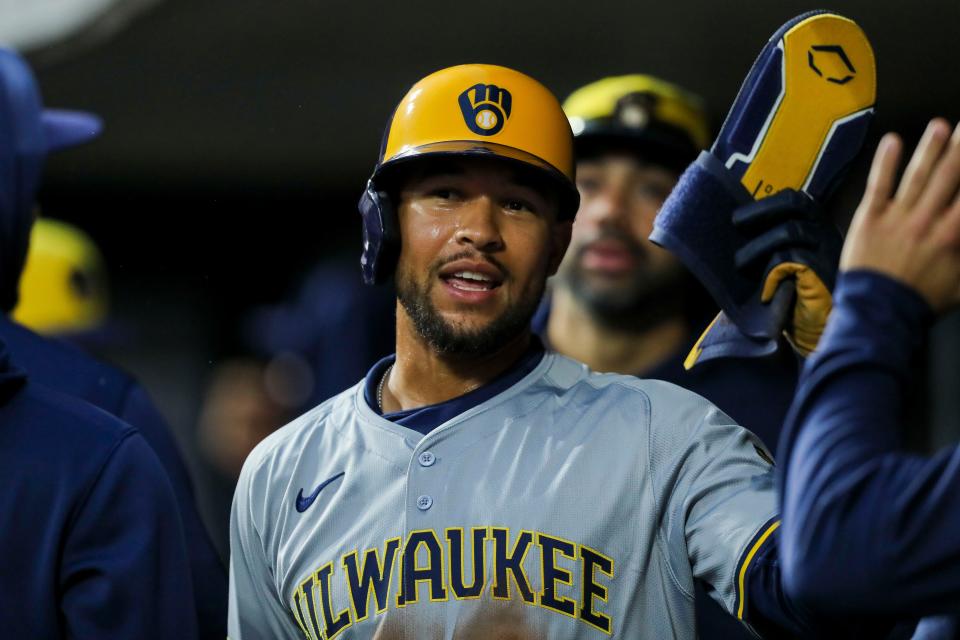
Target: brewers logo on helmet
[
  {"x": 467, "y": 110},
  {"x": 639, "y": 113}
]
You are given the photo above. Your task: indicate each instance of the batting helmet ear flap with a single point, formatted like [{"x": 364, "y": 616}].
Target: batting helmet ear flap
[{"x": 381, "y": 235}]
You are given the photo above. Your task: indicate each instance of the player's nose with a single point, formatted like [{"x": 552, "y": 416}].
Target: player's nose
[
  {"x": 609, "y": 206},
  {"x": 478, "y": 225}
]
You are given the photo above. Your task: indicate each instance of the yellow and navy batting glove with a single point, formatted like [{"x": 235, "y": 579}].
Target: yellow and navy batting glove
[
  {"x": 793, "y": 240},
  {"x": 799, "y": 120},
  {"x": 792, "y": 250}
]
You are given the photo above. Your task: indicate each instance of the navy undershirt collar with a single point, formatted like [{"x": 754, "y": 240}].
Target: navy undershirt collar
[{"x": 426, "y": 419}]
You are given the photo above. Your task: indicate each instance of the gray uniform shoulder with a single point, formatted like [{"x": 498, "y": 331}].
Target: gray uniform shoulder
[
  {"x": 674, "y": 406},
  {"x": 711, "y": 482},
  {"x": 680, "y": 421},
  {"x": 668, "y": 405}
]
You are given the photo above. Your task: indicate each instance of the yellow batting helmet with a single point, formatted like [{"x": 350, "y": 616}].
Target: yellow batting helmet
[
  {"x": 468, "y": 110},
  {"x": 665, "y": 124},
  {"x": 63, "y": 286}
]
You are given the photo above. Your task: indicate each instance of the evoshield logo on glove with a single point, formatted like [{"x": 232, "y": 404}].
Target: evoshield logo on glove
[
  {"x": 485, "y": 108},
  {"x": 831, "y": 53}
]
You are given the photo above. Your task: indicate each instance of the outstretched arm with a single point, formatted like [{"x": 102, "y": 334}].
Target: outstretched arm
[{"x": 867, "y": 528}]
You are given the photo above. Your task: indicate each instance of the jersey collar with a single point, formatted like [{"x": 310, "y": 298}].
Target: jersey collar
[{"x": 426, "y": 419}]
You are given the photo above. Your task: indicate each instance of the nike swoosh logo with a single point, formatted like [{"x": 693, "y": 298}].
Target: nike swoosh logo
[{"x": 304, "y": 503}]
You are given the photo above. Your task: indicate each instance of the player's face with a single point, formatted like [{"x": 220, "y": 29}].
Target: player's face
[
  {"x": 611, "y": 266},
  {"x": 478, "y": 243}
]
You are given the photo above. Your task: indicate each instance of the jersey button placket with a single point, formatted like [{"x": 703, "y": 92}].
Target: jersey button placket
[{"x": 425, "y": 460}]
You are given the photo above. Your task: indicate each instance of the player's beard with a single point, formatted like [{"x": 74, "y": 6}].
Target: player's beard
[
  {"x": 447, "y": 338},
  {"x": 646, "y": 297}
]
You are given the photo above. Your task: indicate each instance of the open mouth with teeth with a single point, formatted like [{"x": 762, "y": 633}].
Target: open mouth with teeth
[{"x": 471, "y": 281}]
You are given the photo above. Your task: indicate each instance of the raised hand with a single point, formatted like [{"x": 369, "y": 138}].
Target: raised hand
[{"x": 912, "y": 235}]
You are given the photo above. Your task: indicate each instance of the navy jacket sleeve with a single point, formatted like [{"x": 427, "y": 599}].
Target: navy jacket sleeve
[
  {"x": 123, "y": 573},
  {"x": 866, "y": 527},
  {"x": 773, "y": 613},
  {"x": 209, "y": 574}
]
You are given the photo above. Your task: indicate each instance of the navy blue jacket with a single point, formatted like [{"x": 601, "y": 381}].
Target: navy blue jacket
[
  {"x": 866, "y": 526},
  {"x": 92, "y": 544},
  {"x": 64, "y": 368}
]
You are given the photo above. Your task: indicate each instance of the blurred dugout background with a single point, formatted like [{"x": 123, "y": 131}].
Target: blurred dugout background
[{"x": 239, "y": 134}]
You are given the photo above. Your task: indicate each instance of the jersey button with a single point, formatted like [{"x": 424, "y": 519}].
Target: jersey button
[
  {"x": 427, "y": 459},
  {"x": 424, "y": 503}
]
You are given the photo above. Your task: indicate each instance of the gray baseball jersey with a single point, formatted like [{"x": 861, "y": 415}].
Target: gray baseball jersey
[{"x": 571, "y": 505}]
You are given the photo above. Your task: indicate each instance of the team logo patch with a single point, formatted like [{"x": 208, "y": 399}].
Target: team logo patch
[{"x": 485, "y": 108}]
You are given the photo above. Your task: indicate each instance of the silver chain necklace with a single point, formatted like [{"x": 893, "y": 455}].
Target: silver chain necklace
[{"x": 380, "y": 388}]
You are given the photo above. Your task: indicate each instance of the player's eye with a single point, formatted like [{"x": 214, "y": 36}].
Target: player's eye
[
  {"x": 652, "y": 191},
  {"x": 588, "y": 184},
  {"x": 519, "y": 205}
]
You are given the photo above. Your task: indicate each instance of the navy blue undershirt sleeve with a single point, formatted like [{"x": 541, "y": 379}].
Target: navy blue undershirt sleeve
[
  {"x": 767, "y": 609},
  {"x": 774, "y": 614},
  {"x": 123, "y": 573},
  {"x": 866, "y": 527}
]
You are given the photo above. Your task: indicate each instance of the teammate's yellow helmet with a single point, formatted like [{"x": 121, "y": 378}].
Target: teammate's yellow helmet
[
  {"x": 63, "y": 286},
  {"x": 468, "y": 110},
  {"x": 664, "y": 123}
]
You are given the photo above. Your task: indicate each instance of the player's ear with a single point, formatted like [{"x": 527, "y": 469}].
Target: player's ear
[{"x": 560, "y": 232}]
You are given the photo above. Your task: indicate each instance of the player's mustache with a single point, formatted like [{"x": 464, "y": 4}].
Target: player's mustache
[{"x": 476, "y": 256}]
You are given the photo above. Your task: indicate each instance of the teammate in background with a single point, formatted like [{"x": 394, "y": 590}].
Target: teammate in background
[
  {"x": 92, "y": 547},
  {"x": 63, "y": 287},
  {"x": 331, "y": 318},
  {"x": 32, "y": 132},
  {"x": 620, "y": 303},
  {"x": 473, "y": 470},
  {"x": 866, "y": 527},
  {"x": 286, "y": 370}
]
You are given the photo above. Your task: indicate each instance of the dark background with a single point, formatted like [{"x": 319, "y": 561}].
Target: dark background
[{"x": 240, "y": 132}]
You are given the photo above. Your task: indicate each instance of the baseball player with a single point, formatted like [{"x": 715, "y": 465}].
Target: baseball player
[
  {"x": 620, "y": 303},
  {"x": 866, "y": 527},
  {"x": 30, "y": 132},
  {"x": 473, "y": 477}
]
